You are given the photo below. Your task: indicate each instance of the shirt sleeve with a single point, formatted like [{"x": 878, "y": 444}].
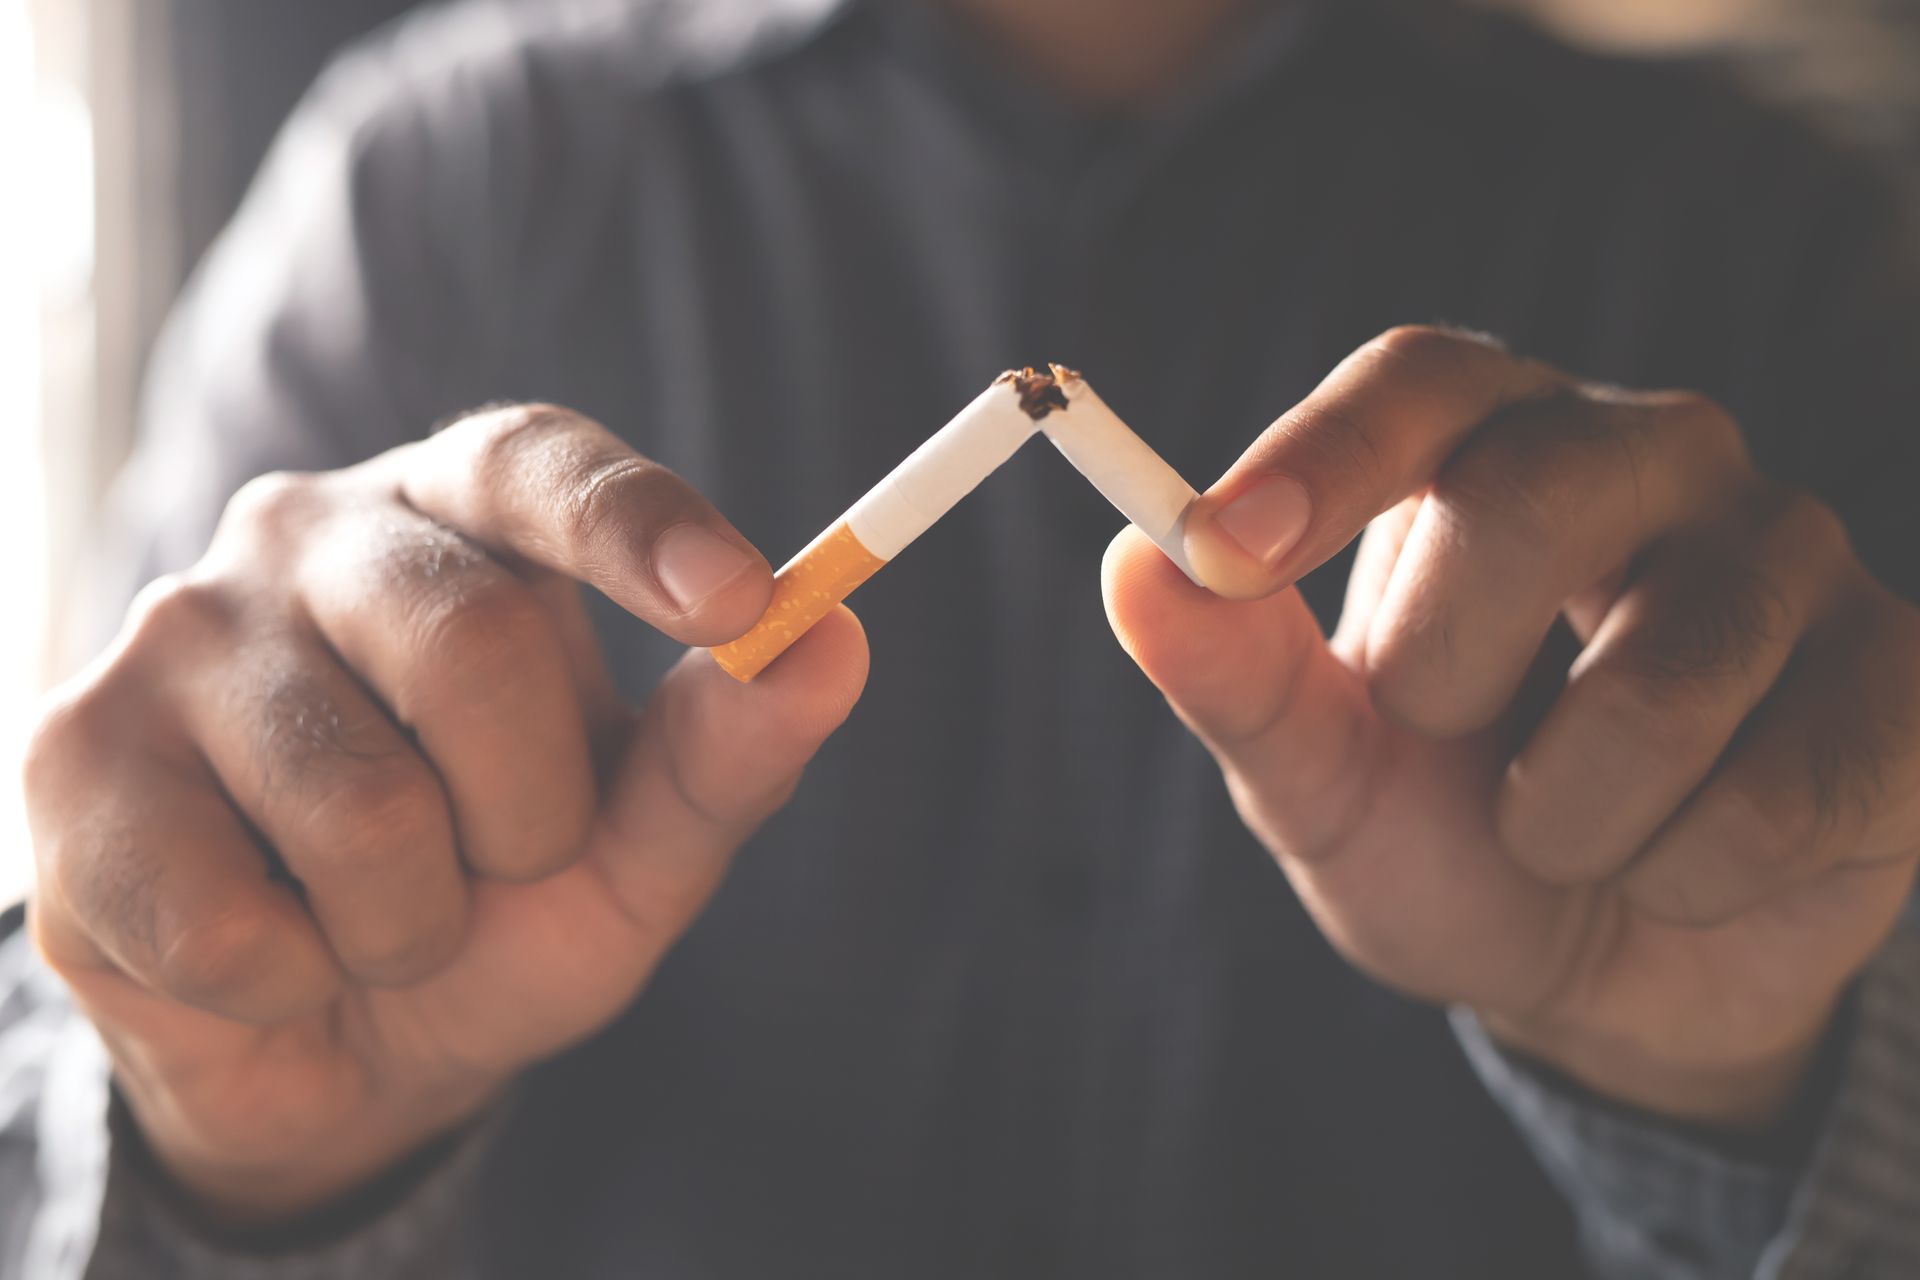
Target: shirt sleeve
[
  {"x": 78, "y": 1201},
  {"x": 1656, "y": 1202},
  {"x": 422, "y": 1233},
  {"x": 334, "y": 319}
]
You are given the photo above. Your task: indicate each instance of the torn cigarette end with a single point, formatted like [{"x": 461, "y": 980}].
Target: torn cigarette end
[
  {"x": 805, "y": 591},
  {"x": 1040, "y": 393}
]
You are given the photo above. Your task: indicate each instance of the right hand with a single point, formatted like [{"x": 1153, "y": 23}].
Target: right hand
[{"x": 349, "y": 826}]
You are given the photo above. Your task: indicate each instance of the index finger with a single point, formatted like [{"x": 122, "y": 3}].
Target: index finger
[
  {"x": 552, "y": 488},
  {"x": 1376, "y": 430}
]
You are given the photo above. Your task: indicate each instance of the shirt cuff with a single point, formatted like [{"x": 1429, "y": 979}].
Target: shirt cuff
[
  {"x": 417, "y": 1230},
  {"x": 1857, "y": 1212},
  {"x": 1661, "y": 1202}
]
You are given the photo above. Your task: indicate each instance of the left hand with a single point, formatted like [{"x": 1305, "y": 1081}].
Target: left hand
[{"x": 1659, "y": 879}]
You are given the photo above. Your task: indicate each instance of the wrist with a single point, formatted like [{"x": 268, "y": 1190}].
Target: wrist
[
  {"x": 318, "y": 1189},
  {"x": 1745, "y": 1091}
]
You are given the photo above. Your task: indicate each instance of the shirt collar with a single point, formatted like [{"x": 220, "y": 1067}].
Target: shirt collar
[{"x": 958, "y": 60}]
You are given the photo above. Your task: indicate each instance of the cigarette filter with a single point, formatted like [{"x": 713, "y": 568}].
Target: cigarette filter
[{"x": 952, "y": 462}]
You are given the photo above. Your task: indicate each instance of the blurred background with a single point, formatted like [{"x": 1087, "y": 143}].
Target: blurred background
[{"x": 133, "y": 126}]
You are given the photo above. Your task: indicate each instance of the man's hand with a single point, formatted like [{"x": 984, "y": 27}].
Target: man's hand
[
  {"x": 350, "y": 825},
  {"x": 1657, "y": 869}
]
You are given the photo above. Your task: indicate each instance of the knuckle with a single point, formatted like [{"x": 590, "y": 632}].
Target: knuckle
[
  {"x": 1803, "y": 520},
  {"x": 58, "y": 768},
  {"x": 219, "y": 958},
  {"x": 490, "y": 635},
  {"x": 1687, "y": 656},
  {"x": 58, "y": 873},
  {"x": 45, "y": 933},
  {"x": 110, "y": 881},
  {"x": 364, "y": 817},
  {"x": 406, "y": 955},
  {"x": 302, "y": 725},
  {"x": 1521, "y": 494},
  {"x": 501, "y": 439},
  {"x": 418, "y": 563},
  {"x": 542, "y": 831},
  {"x": 1428, "y": 710},
  {"x": 63, "y": 731},
  {"x": 1546, "y": 470},
  {"x": 1431, "y": 349},
  {"x": 599, "y": 509},
  {"x": 1703, "y": 421},
  {"x": 1335, "y": 439},
  {"x": 176, "y": 611},
  {"x": 273, "y": 504},
  {"x": 490, "y": 601},
  {"x": 1412, "y": 663},
  {"x": 1425, "y": 356},
  {"x": 1644, "y": 708}
]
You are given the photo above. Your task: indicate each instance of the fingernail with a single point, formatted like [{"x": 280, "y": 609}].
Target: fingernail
[
  {"x": 1267, "y": 520},
  {"x": 695, "y": 564}
]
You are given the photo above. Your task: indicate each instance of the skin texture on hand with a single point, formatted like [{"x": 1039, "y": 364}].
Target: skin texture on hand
[
  {"x": 349, "y": 826},
  {"x": 1655, "y": 864}
]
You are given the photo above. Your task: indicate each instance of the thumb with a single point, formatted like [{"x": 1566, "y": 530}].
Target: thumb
[
  {"x": 1290, "y": 724},
  {"x": 710, "y": 761}
]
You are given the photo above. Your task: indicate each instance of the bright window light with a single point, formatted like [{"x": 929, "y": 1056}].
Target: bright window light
[{"x": 46, "y": 263}]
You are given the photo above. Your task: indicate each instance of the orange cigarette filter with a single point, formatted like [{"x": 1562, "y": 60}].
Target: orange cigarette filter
[{"x": 804, "y": 592}]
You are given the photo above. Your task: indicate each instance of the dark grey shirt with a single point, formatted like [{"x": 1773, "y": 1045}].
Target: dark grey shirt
[{"x": 1008, "y": 991}]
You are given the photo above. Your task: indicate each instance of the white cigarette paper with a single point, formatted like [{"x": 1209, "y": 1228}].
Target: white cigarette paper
[
  {"x": 952, "y": 462},
  {"x": 1122, "y": 466},
  {"x": 948, "y": 467}
]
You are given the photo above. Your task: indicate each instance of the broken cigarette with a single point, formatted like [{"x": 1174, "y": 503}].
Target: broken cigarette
[{"x": 950, "y": 465}]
